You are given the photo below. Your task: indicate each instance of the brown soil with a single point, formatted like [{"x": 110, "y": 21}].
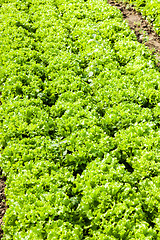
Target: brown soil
[
  {"x": 143, "y": 30},
  {"x": 3, "y": 206}
]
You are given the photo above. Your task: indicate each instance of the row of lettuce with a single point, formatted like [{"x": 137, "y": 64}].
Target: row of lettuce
[
  {"x": 150, "y": 9},
  {"x": 80, "y": 123}
]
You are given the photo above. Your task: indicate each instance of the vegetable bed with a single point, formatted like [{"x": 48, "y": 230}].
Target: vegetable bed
[{"x": 80, "y": 123}]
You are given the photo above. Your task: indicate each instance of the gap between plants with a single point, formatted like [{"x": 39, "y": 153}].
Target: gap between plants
[
  {"x": 3, "y": 206},
  {"x": 142, "y": 28}
]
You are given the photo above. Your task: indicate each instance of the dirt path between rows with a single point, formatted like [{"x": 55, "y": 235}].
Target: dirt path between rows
[{"x": 143, "y": 30}]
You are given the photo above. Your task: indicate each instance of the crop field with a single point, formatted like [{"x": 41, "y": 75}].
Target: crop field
[{"x": 80, "y": 118}]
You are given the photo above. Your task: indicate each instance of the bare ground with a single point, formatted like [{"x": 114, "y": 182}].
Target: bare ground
[
  {"x": 3, "y": 206},
  {"x": 142, "y": 28}
]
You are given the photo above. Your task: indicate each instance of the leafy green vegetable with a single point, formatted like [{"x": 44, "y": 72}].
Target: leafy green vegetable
[{"x": 80, "y": 123}]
